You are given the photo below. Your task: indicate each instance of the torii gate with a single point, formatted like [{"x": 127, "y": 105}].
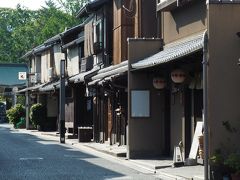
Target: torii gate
[{"x": 12, "y": 77}]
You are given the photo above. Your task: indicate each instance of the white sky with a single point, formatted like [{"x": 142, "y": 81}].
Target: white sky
[{"x": 30, "y": 4}]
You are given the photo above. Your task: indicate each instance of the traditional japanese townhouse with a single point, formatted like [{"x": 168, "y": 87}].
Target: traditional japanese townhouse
[
  {"x": 44, "y": 82},
  {"x": 71, "y": 49},
  {"x": 42, "y": 73},
  {"x": 97, "y": 55},
  {"x": 128, "y": 22},
  {"x": 166, "y": 79},
  {"x": 14, "y": 78},
  {"x": 67, "y": 46},
  {"x": 110, "y": 83}
]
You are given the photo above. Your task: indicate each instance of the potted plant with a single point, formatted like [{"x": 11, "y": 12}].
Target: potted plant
[
  {"x": 218, "y": 168},
  {"x": 233, "y": 162}
]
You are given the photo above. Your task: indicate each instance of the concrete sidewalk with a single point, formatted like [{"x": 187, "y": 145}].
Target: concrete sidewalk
[{"x": 160, "y": 167}]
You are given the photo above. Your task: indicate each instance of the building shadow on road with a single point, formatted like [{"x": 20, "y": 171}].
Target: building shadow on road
[{"x": 27, "y": 156}]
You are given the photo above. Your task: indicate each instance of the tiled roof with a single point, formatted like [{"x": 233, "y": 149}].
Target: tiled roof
[
  {"x": 81, "y": 76},
  {"x": 52, "y": 86},
  {"x": 53, "y": 40},
  {"x": 78, "y": 28},
  {"x": 36, "y": 50},
  {"x": 32, "y": 88},
  {"x": 112, "y": 70},
  {"x": 73, "y": 43},
  {"x": 172, "y": 51}
]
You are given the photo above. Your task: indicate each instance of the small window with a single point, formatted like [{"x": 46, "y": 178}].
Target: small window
[
  {"x": 98, "y": 39},
  {"x": 81, "y": 51},
  {"x": 98, "y": 31},
  {"x": 80, "y": 55}
]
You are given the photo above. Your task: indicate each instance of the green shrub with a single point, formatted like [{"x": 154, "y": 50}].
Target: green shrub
[
  {"x": 37, "y": 114},
  {"x": 15, "y": 114},
  {"x": 21, "y": 100},
  {"x": 217, "y": 159},
  {"x": 233, "y": 162}
]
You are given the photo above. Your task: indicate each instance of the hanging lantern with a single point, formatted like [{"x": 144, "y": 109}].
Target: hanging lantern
[
  {"x": 94, "y": 100},
  {"x": 178, "y": 76},
  {"x": 159, "y": 82}
]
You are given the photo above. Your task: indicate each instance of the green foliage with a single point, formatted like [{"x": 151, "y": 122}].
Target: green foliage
[
  {"x": 37, "y": 114},
  {"x": 23, "y": 29},
  {"x": 21, "y": 100},
  {"x": 233, "y": 161},
  {"x": 11, "y": 20},
  {"x": 52, "y": 21},
  {"x": 72, "y": 6},
  {"x": 15, "y": 114},
  {"x": 217, "y": 159},
  {"x": 2, "y": 99},
  {"x": 8, "y": 102}
]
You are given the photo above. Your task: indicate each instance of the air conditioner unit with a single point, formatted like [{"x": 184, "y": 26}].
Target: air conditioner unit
[{"x": 50, "y": 73}]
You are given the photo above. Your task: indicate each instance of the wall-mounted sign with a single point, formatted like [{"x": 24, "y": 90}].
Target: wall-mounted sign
[
  {"x": 22, "y": 75},
  {"x": 140, "y": 103}
]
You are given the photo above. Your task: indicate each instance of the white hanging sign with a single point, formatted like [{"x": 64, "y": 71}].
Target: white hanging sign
[{"x": 22, "y": 75}]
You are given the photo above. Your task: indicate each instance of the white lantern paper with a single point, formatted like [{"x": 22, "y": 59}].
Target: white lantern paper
[
  {"x": 178, "y": 76},
  {"x": 159, "y": 83}
]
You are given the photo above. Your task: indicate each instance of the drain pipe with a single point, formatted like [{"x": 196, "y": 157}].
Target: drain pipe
[{"x": 205, "y": 105}]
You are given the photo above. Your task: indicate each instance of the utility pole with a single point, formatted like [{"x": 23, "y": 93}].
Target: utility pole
[
  {"x": 27, "y": 102},
  {"x": 62, "y": 103},
  {"x": 205, "y": 105},
  {"x": 14, "y": 96},
  {"x": 27, "y": 109}
]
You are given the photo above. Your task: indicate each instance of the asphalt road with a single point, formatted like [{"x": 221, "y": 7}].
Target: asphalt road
[{"x": 24, "y": 156}]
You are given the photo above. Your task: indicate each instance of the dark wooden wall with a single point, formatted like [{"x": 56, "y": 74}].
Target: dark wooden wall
[
  {"x": 69, "y": 110},
  {"x": 122, "y": 29},
  {"x": 132, "y": 20}
]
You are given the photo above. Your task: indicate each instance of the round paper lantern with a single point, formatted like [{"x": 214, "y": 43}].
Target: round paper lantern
[
  {"x": 159, "y": 82},
  {"x": 178, "y": 76}
]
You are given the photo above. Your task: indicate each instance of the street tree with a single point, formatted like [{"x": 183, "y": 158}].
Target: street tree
[
  {"x": 72, "y": 6},
  {"x": 22, "y": 29}
]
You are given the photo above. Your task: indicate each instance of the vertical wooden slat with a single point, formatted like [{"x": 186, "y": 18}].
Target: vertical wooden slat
[
  {"x": 122, "y": 29},
  {"x": 109, "y": 117}
]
